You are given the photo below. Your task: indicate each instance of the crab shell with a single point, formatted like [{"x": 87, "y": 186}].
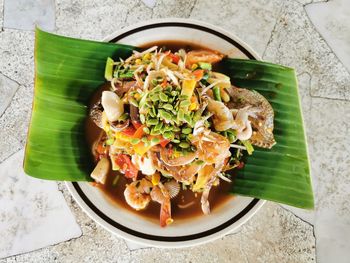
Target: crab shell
[{"x": 262, "y": 123}]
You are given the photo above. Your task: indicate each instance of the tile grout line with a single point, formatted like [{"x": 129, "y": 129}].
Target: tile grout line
[
  {"x": 273, "y": 30},
  {"x": 3, "y": 16},
  {"x": 192, "y": 7},
  {"x": 12, "y": 154},
  {"x": 13, "y": 95}
]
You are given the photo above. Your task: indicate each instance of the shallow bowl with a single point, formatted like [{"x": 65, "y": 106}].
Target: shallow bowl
[{"x": 182, "y": 233}]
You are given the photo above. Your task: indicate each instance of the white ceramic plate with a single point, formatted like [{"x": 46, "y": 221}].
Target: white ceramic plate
[{"x": 182, "y": 233}]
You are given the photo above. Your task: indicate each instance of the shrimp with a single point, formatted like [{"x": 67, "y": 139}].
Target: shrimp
[
  {"x": 205, "y": 195},
  {"x": 137, "y": 194},
  {"x": 161, "y": 195},
  {"x": 222, "y": 116},
  {"x": 203, "y": 56}
]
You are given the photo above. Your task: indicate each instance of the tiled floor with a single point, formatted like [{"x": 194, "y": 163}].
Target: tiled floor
[{"x": 281, "y": 32}]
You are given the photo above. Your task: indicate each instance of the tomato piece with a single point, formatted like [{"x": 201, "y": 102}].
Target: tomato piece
[
  {"x": 126, "y": 166},
  {"x": 136, "y": 124},
  {"x": 164, "y": 83},
  {"x": 130, "y": 130},
  {"x": 139, "y": 132},
  {"x": 131, "y": 170},
  {"x": 198, "y": 74},
  {"x": 100, "y": 149},
  {"x": 163, "y": 142},
  {"x": 174, "y": 58}
]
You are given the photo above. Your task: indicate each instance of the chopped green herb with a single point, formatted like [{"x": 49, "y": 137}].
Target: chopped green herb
[
  {"x": 185, "y": 103},
  {"x": 168, "y": 106},
  {"x": 165, "y": 115},
  {"x": 156, "y": 89},
  {"x": 134, "y": 102},
  {"x": 249, "y": 146},
  {"x": 153, "y": 132},
  {"x": 168, "y": 135},
  {"x": 186, "y": 130},
  {"x": 109, "y": 69},
  {"x": 184, "y": 145},
  {"x": 176, "y": 129},
  {"x": 144, "y": 139},
  {"x": 152, "y": 122},
  {"x": 204, "y": 65},
  {"x": 123, "y": 117},
  {"x": 154, "y": 97},
  {"x": 142, "y": 118},
  {"x": 154, "y": 82},
  {"x": 216, "y": 93},
  {"x": 110, "y": 141},
  {"x": 134, "y": 140},
  {"x": 146, "y": 130},
  {"x": 180, "y": 114},
  {"x": 163, "y": 97},
  {"x": 158, "y": 126},
  {"x": 155, "y": 140}
]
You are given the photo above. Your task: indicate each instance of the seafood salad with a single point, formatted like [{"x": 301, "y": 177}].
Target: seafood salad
[{"x": 170, "y": 123}]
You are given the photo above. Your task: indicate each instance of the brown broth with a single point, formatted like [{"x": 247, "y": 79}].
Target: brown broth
[{"x": 218, "y": 195}]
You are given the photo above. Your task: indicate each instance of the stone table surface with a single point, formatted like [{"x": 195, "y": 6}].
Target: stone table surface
[{"x": 314, "y": 38}]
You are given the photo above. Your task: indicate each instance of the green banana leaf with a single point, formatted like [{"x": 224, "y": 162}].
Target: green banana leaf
[
  {"x": 282, "y": 173},
  {"x": 68, "y": 71}
]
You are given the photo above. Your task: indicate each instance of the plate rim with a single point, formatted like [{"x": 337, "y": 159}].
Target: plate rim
[{"x": 100, "y": 218}]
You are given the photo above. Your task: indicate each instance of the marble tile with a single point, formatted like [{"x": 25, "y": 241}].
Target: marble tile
[
  {"x": 134, "y": 246},
  {"x": 1, "y": 14},
  {"x": 295, "y": 42},
  {"x": 253, "y": 21},
  {"x": 163, "y": 9},
  {"x": 331, "y": 151},
  {"x": 33, "y": 213},
  {"x": 332, "y": 21},
  {"x": 14, "y": 122},
  {"x": 26, "y": 14},
  {"x": 8, "y": 89},
  {"x": 17, "y": 55},
  {"x": 92, "y": 19},
  {"x": 273, "y": 235},
  {"x": 150, "y": 3}
]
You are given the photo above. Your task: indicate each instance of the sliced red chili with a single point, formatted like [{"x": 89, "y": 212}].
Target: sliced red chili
[{"x": 174, "y": 58}]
